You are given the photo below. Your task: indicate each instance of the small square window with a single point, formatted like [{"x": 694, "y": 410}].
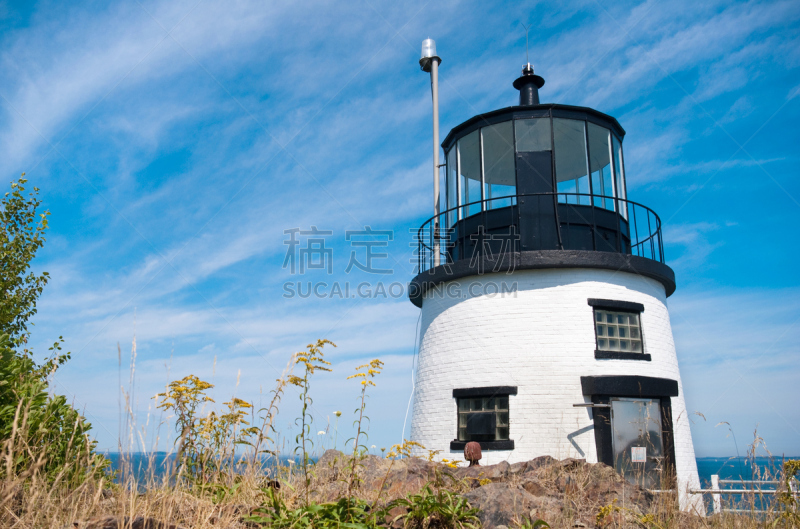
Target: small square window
[
  {"x": 618, "y": 331},
  {"x": 483, "y": 419}
]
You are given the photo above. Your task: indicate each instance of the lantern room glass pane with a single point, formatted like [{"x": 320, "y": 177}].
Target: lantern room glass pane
[
  {"x": 619, "y": 175},
  {"x": 600, "y": 166},
  {"x": 469, "y": 168},
  {"x": 572, "y": 172},
  {"x": 533, "y": 135},
  {"x": 452, "y": 186},
  {"x": 499, "y": 174}
]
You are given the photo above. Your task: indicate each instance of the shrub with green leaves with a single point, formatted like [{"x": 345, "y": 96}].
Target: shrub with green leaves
[
  {"x": 350, "y": 513},
  {"x": 436, "y": 509},
  {"x": 40, "y": 433}
]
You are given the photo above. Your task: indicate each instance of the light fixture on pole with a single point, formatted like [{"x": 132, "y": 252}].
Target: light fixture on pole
[{"x": 429, "y": 62}]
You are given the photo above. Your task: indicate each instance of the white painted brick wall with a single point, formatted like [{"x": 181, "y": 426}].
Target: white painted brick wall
[{"x": 542, "y": 341}]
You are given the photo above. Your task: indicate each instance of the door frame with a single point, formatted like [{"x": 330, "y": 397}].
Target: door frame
[{"x": 602, "y": 388}]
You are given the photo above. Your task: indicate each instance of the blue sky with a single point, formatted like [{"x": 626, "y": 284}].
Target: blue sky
[{"x": 174, "y": 143}]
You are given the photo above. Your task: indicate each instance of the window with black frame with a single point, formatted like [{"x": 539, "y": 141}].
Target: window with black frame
[
  {"x": 483, "y": 418},
  {"x": 482, "y": 415},
  {"x": 618, "y": 330}
]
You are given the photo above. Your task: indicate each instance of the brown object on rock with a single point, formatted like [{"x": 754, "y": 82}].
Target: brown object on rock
[{"x": 472, "y": 453}]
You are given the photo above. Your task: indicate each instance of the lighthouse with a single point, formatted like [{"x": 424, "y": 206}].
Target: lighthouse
[{"x": 543, "y": 289}]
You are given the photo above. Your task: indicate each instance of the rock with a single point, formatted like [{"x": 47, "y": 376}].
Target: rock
[
  {"x": 562, "y": 492},
  {"x": 111, "y": 522},
  {"x": 376, "y": 476},
  {"x": 501, "y": 504}
]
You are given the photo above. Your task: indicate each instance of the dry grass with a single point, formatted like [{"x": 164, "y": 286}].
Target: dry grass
[{"x": 32, "y": 498}]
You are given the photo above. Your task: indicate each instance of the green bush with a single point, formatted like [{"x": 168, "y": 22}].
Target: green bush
[
  {"x": 350, "y": 513},
  {"x": 39, "y": 432},
  {"x": 439, "y": 508}
]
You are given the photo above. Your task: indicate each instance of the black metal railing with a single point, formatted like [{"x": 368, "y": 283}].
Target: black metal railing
[{"x": 564, "y": 221}]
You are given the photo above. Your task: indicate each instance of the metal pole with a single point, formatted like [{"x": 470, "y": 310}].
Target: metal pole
[
  {"x": 435, "y": 93},
  {"x": 716, "y": 497}
]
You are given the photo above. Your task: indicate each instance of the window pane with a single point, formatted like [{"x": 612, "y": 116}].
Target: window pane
[
  {"x": 502, "y": 434},
  {"x": 469, "y": 167},
  {"x": 571, "y": 165},
  {"x": 502, "y": 403},
  {"x": 463, "y": 404},
  {"x": 502, "y": 418},
  {"x": 618, "y": 331},
  {"x": 462, "y": 434},
  {"x": 475, "y": 404},
  {"x": 619, "y": 175},
  {"x": 533, "y": 135},
  {"x": 637, "y": 423},
  {"x": 600, "y": 165},
  {"x": 452, "y": 186},
  {"x": 498, "y": 164}
]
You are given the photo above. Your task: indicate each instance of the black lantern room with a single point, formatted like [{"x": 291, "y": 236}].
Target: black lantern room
[{"x": 525, "y": 181}]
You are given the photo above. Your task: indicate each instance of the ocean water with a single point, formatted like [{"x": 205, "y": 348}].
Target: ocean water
[
  {"x": 737, "y": 468},
  {"x": 153, "y": 466}
]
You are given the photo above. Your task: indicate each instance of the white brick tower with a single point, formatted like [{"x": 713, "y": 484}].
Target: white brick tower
[{"x": 543, "y": 289}]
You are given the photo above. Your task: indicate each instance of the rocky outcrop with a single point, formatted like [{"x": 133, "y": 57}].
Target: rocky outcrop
[
  {"x": 571, "y": 490},
  {"x": 113, "y": 522}
]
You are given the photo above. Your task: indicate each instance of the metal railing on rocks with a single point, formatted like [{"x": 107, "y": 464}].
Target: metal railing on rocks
[
  {"x": 755, "y": 490},
  {"x": 615, "y": 224}
]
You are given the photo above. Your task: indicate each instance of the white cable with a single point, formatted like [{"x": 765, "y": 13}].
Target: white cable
[{"x": 413, "y": 363}]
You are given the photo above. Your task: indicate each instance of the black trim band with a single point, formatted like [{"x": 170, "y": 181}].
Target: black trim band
[
  {"x": 629, "y": 386},
  {"x": 620, "y": 355},
  {"x": 541, "y": 260},
  {"x": 485, "y": 445},
  {"x": 489, "y": 391},
  {"x": 611, "y": 304}
]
